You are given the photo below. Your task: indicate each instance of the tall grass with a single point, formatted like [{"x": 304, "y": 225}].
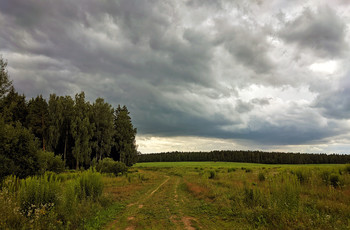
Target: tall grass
[
  {"x": 89, "y": 185},
  {"x": 49, "y": 201},
  {"x": 38, "y": 191}
]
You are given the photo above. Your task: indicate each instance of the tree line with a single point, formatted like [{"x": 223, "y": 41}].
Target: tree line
[
  {"x": 247, "y": 156},
  {"x": 80, "y": 132}
]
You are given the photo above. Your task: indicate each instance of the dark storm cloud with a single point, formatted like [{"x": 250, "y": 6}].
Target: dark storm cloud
[
  {"x": 322, "y": 32},
  {"x": 179, "y": 66}
]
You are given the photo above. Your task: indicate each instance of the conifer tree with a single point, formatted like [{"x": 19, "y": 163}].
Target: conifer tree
[
  {"x": 125, "y": 145},
  {"x": 38, "y": 118}
]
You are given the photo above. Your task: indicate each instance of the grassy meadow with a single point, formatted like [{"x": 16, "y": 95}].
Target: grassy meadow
[{"x": 182, "y": 195}]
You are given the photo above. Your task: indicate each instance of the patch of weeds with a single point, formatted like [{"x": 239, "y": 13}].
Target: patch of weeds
[
  {"x": 212, "y": 174},
  {"x": 261, "y": 176}
]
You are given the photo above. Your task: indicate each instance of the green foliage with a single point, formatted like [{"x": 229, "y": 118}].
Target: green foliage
[
  {"x": 38, "y": 119},
  {"x": 102, "y": 117},
  {"x": 231, "y": 169},
  {"x": 334, "y": 180},
  {"x": 125, "y": 145},
  {"x": 302, "y": 175},
  {"x": 253, "y": 197},
  {"x": 212, "y": 174},
  {"x": 49, "y": 162},
  {"x": 108, "y": 165},
  {"x": 82, "y": 130},
  {"x": 5, "y": 83},
  {"x": 89, "y": 185},
  {"x": 18, "y": 151},
  {"x": 13, "y": 107},
  {"x": 261, "y": 176},
  {"x": 248, "y": 170},
  {"x": 38, "y": 192},
  {"x": 347, "y": 168}
]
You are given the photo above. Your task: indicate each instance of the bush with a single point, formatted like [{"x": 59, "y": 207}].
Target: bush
[
  {"x": 108, "y": 165},
  {"x": 261, "y": 176},
  {"x": 18, "y": 151},
  {"x": 302, "y": 176},
  {"x": 347, "y": 168},
  {"x": 212, "y": 174},
  {"x": 47, "y": 161},
  {"x": 248, "y": 170},
  {"x": 334, "y": 179},
  {"x": 89, "y": 185},
  {"x": 37, "y": 192}
]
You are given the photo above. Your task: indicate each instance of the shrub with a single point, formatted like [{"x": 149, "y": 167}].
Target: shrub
[
  {"x": 89, "y": 185},
  {"x": 231, "y": 170},
  {"x": 253, "y": 197},
  {"x": 261, "y": 176},
  {"x": 325, "y": 176},
  {"x": 108, "y": 165},
  {"x": 302, "y": 176},
  {"x": 334, "y": 179},
  {"x": 18, "y": 151},
  {"x": 212, "y": 174},
  {"x": 37, "y": 192},
  {"x": 347, "y": 168},
  {"x": 248, "y": 170},
  {"x": 47, "y": 161}
]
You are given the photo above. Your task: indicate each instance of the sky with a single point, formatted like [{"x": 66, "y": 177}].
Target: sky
[{"x": 196, "y": 75}]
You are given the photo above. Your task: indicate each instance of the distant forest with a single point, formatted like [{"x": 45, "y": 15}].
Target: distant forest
[
  {"x": 74, "y": 130},
  {"x": 247, "y": 156}
]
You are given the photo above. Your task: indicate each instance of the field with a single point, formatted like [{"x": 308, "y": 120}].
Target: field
[
  {"x": 196, "y": 195},
  {"x": 221, "y": 195}
]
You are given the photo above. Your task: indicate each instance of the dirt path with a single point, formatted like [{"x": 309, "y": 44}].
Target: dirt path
[{"x": 161, "y": 207}]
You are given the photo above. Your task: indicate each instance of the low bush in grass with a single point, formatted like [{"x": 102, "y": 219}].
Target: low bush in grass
[
  {"x": 261, "y": 176},
  {"x": 302, "y": 175},
  {"x": 47, "y": 161},
  {"x": 108, "y": 165},
  {"x": 212, "y": 174},
  {"x": 347, "y": 168}
]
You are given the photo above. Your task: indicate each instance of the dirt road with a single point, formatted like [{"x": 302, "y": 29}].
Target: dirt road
[{"x": 164, "y": 206}]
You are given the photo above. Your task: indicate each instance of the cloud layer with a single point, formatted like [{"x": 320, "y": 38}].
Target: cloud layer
[{"x": 251, "y": 73}]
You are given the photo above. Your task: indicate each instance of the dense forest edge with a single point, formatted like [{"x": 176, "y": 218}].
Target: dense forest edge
[
  {"x": 247, "y": 157},
  {"x": 39, "y": 135}
]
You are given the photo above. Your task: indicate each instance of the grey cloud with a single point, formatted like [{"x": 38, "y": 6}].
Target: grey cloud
[
  {"x": 146, "y": 55},
  {"x": 335, "y": 103},
  {"x": 246, "y": 46},
  {"x": 261, "y": 101},
  {"x": 322, "y": 32},
  {"x": 243, "y": 107}
]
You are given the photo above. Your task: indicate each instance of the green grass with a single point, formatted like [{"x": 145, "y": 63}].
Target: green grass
[
  {"x": 181, "y": 195},
  {"x": 208, "y": 164}
]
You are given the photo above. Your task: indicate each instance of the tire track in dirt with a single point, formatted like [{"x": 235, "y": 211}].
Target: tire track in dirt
[
  {"x": 186, "y": 220},
  {"x": 139, "y": 206}
]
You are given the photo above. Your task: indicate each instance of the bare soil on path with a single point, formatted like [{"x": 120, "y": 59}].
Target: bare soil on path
[{"x": 161, "y": 207}]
